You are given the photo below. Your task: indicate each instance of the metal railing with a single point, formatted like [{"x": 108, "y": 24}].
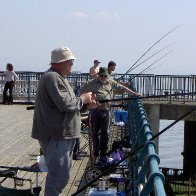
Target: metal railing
[
  {"x": 147, "y": 84},
  {"x": 179, "y": 181},
  {"x": 145, "y": 167}
]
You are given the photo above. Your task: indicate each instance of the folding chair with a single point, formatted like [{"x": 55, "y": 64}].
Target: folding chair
[{"x": 6, "y": 191}]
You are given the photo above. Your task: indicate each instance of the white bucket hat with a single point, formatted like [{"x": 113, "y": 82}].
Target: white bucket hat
[{"x": 59, "y": 55}]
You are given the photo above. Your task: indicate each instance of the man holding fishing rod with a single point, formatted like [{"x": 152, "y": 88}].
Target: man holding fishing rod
[
  {"x": 104, "y": 88},
  {"x": 57, "y": 121}
]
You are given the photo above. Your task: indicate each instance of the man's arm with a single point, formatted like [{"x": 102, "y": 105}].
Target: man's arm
[
  {"x": 130, "y": 92},
  {"x": 124, "y": 83},
  {"x": 126, "y": 89}
]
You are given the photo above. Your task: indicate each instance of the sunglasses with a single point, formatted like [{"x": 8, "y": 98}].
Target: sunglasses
[{"x": 103, "y": 76}]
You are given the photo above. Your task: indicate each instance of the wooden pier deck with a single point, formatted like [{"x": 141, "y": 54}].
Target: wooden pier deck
[{"x": 16, "y": 146}]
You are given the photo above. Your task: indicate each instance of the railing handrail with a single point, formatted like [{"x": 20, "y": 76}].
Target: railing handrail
[
  {"x": 146, "y": 84},
  {"x": 146, "y": 165}
]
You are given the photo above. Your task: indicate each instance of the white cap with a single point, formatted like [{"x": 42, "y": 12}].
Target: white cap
[{"x": 59, "y": 55}]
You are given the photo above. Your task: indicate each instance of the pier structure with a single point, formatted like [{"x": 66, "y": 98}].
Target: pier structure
[
  {"x": 173, "y": 111},
  {"x": 168, "y": 107}
]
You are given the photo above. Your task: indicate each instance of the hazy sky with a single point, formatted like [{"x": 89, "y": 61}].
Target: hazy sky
[{"x": 119, "y": 30}]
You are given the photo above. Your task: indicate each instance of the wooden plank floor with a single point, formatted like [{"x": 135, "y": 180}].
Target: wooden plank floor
[{"x": 16, "y": 145}]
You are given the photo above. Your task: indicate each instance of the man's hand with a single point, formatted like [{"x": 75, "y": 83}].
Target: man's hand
[
  {"x": 139, "y": 95},
  {"x": 93, "y": 104},
  {"x": 86, "y": 97}
]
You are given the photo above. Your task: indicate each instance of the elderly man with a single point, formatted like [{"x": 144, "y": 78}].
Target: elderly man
[
  {"x": 103, "y": 87},
  {"x": 57, "y": 122}
]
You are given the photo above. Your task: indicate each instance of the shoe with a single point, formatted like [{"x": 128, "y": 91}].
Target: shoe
[
  {"x": 103, "y": 163},
  {"x": 103, "y": 159},
  {"x": 76, "y": 157}
]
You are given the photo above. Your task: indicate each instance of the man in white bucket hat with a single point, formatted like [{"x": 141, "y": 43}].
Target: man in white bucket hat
[{"x": 56, "y": 122}]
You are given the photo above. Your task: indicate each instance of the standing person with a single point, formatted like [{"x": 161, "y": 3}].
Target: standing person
[
  {"x": 111, "y": 68},
  {"x": 103, "y": 87},
  {"x": 10, "y": 79},
  {"x": 94, "y": 70},
  {"x": 57, "y": 122}
]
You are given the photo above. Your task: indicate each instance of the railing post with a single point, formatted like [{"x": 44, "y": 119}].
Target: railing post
[
  {"x": 184, "y": 91},
  {"x": 170, "y": 90},
  {"x": 29, "y": 87}
]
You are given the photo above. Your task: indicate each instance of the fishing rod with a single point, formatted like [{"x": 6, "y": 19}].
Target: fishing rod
[
  {"x": 30, "y": 107},
  {"x": 144, "y": 69},
  {"x": 132, "y": 67},
  {"x": 152, "y": 64},
  {"x": 132, "y": 98},
  {"x": 152, "y": 56},
  {"x": 147, "y": 70},
  {"x": 133, "y": 152},
  {"x": 144, "y": 97},
  {"x": 28, "y": 169},
  {"x": 149, "y": 50}
]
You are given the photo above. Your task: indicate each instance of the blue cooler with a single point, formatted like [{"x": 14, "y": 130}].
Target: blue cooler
[
  {"x": 97, "y": 192},
  {"x": 120, "y": 115}
]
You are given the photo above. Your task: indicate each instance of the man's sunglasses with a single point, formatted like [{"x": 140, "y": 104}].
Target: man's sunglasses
[{"x": 103, "y": 76}]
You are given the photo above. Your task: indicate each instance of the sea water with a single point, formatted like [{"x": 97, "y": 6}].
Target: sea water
[{"x": 171, "y": 145}]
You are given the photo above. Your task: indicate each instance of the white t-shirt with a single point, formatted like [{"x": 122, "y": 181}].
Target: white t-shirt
[{"x": 10, "y": 76}]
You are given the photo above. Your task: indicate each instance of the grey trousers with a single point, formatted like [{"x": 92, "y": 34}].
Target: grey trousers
[{"x": 58, "y": 157}]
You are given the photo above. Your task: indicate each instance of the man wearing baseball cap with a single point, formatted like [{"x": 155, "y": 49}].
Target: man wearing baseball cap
[
  {"x": 94, "y": 70},
  {"x": 104, "y": 88},
  {"x": 57, "y": 122}
]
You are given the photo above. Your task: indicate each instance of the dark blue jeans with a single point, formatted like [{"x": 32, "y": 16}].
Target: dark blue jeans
[
  {"x": 8, "y": 98},
  {"x": 100, "y": 120}
]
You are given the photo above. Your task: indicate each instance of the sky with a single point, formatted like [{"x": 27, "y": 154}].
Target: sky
[{"x": 118, "y": 30}]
